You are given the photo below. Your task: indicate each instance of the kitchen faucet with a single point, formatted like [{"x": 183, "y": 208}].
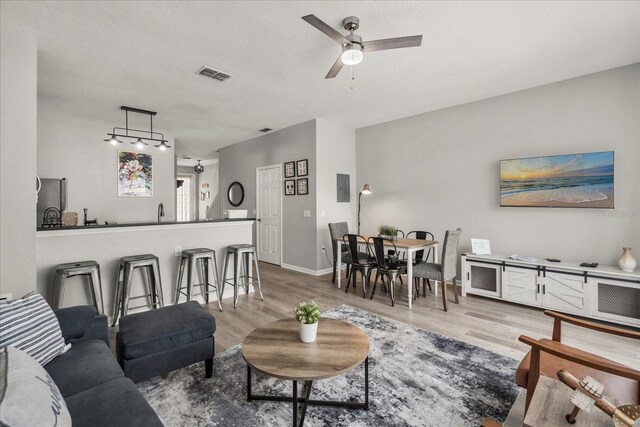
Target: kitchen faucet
[{"x": 160, "y": 212}]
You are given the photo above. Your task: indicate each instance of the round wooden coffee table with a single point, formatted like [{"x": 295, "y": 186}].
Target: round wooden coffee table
[{"x": 276, "y": 350}]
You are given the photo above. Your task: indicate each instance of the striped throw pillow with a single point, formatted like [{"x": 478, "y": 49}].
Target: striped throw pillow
[{"x": 30, "y": 325}]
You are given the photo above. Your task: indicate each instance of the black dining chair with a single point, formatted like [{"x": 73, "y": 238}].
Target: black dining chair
[
  {"x": 362, "y": 262},
  {"x": 421, "y": 258},
  {"x": 390, "y": 268}
]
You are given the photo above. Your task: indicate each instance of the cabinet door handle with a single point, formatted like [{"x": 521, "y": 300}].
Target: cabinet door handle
[
  {"x": 544, "y": 289},
  {"x": 467, "y": 276},
  {"x": 538, "y": 287}
]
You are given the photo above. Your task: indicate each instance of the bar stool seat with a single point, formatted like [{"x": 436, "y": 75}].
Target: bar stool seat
[
  {"x": 128, "y": 264},
  {"x": 194, "y": 258},
  {"x": 82, "y": 268},
  {"x": 240, "y": 254}
]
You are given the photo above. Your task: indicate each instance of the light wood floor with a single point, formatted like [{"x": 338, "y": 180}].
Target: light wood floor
[{"x": 487, "y": 323}]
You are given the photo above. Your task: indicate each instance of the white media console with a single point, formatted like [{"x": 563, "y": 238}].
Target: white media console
[{"x": 605, "y": 293}]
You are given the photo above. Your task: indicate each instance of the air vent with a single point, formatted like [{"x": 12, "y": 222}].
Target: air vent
[
  {"x": 266, "y": 130},
  {"x": 214, "y": 74}
]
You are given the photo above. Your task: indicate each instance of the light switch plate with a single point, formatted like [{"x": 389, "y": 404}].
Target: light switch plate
[
  {"x": 178, "y": 250},
  {"x": 306, "y": 213},
  {"x": 322, "y": 213}
]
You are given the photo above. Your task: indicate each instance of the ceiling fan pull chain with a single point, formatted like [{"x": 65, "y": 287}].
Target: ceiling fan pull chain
[{"x": 352, "y": 79}]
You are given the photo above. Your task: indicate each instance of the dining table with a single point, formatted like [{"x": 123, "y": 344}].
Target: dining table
[{"x": 410, "y": 246}]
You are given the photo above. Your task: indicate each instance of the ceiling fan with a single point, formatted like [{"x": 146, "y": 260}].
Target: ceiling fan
[{"x": 352, "y": 45}]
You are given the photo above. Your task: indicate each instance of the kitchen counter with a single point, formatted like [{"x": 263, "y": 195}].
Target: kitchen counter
[
  {"x": 140, "y": 224},
  {"x": 106, "y": 244}
]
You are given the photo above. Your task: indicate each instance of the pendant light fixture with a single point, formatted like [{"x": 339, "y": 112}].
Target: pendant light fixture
[
  {"x": 139, "y": 137},
  {"x": 198, "y": 168}
]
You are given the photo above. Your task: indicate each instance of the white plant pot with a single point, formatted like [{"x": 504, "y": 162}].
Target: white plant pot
[{"x": 308, "y": 333}]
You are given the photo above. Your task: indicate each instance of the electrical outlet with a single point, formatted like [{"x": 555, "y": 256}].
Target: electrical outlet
[{"x": 178, "y": 251}]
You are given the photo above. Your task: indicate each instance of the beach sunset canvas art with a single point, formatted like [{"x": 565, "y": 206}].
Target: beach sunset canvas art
[{"x": 574, "y": 180}]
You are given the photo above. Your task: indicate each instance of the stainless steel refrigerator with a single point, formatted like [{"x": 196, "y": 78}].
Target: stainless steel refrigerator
[{"x": 52, "y": 194}]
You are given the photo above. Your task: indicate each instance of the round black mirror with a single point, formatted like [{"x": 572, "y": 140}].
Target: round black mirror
[{"x": 235, "y": 194}]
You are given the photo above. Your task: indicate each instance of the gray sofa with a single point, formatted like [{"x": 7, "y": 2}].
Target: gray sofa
[{"x": 90, "y": 378}]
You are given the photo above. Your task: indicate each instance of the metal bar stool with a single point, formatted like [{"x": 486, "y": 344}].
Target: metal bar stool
[
  {"x": 198, "y": 259},
  {"x": 240, "y": 255},
  {"x": 128, "y": 264},
  {"x": 84, "y": 268}
]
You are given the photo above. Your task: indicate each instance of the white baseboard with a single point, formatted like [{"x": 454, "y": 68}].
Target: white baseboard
[{"x": 307, "y": 270}]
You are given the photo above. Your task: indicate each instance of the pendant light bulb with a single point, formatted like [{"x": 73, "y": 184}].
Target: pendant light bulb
[
  {"x": 140, "y": 144},
  {"x": 113, "y": 140},
  {"x": 163, "y": 146},
  {"x": 198, "y": 168}
]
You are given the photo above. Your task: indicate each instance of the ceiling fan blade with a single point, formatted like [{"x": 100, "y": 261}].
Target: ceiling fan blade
[
  {"x": 394, "y": 43},
  {"x": 325, "y": 28},
  {"x": 335, "y": 69}
]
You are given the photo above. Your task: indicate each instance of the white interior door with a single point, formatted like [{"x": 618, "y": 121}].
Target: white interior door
[{"x": 269, "y": 203}]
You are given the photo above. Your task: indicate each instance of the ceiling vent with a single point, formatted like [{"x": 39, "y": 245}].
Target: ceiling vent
[
  {"x": 266, "y": 130},
  {"x": 214, "y": 74}
]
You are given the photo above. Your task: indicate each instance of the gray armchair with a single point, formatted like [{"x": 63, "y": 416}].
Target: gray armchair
[{"x": 445, "y": 270}]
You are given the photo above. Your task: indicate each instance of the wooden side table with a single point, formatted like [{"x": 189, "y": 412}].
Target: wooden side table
[
  {"x": 552, "y": 401},
  {"x": 276, "y": 350}
]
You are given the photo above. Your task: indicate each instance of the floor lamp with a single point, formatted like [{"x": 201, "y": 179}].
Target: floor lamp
[{"x": 365, "y": 190}]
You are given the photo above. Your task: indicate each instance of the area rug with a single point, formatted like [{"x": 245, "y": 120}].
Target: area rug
[{"x": 417, "y": 378}]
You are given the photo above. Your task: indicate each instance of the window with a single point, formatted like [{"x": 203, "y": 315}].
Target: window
[{"x": 184, "y": 198}]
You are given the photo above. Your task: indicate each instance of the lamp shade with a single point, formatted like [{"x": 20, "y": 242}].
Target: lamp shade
[{"x": 366, "y": 189}]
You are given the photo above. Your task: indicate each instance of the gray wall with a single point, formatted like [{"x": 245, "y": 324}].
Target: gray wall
[
  {"x": 71, "y": 146},
  {"x": 440, "y": 170},
  {"x": 238, "y": 162},
  {"x": 18, "y": 115},
  {"x": 335, "y": 153}
]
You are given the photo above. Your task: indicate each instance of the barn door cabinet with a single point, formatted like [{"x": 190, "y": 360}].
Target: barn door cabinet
[{"x": 604, "y": 293}]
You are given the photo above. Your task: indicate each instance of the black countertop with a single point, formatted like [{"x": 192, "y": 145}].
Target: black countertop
[{"x": 141, "y": 224}]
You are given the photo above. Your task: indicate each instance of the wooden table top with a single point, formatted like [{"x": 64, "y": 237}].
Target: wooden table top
[
  {"x": 276, "y": 350},
  {"x": 402, "y": 243}
]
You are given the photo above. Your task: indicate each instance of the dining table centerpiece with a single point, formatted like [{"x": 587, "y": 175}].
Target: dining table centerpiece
[
  {"x": 308, "y": 314},
  {"x": 388, "y": 232}
]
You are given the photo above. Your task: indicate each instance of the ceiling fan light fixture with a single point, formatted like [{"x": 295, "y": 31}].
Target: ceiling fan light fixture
[{"x": 352, "y": 54}]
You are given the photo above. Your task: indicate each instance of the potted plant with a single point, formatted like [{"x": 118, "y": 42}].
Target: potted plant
[
  {"x": 307, "y": 314},
  {"x": 388, "y": 232}
]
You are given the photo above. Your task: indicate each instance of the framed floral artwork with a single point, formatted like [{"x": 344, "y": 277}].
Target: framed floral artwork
[
  {"x": 289, "y": 187},
  {"x": 303, "y": 186},
  {"x": 135, "y": 174},
  {"x": 302, "y": 167},
  {"x": 289, "y": 169}
]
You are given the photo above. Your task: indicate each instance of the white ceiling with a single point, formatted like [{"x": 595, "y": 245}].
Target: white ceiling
[{"x": 96, "y": 56}]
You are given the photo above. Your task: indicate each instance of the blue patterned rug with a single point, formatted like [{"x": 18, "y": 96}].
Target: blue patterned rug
[{"x": 416, "y": 378}]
